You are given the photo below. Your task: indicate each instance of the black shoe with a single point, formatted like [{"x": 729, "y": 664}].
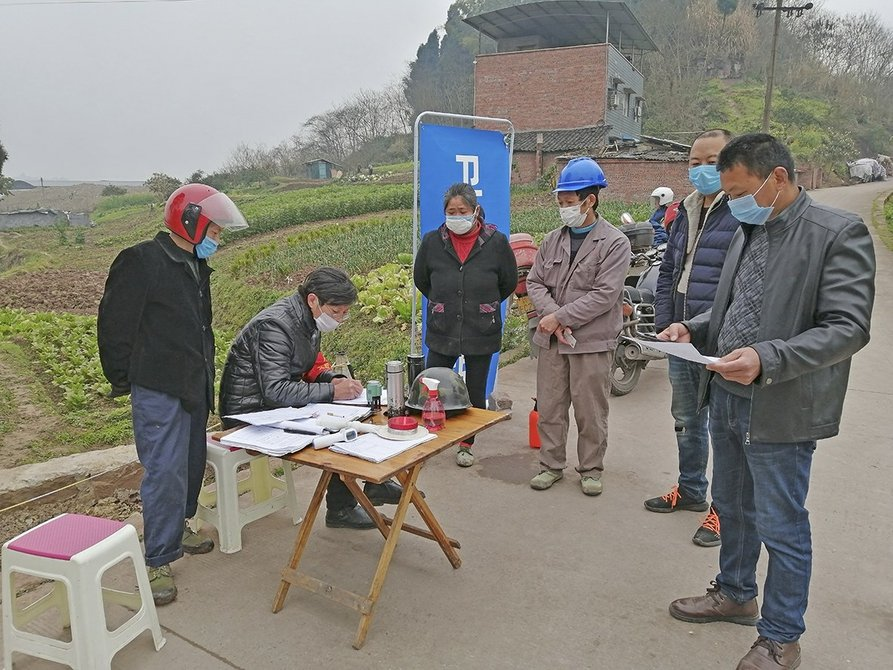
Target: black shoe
[
  {"x": 708, "y": 534},
  {"x": 383, "y": 494},
  {"x": 350, "y": 517},
  {"x": 674, "y": 501}
]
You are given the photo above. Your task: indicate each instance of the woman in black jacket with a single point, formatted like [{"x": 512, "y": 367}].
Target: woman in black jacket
[
  {"x": 465, "y": 268},
  {"x": 272, "y": 363}
]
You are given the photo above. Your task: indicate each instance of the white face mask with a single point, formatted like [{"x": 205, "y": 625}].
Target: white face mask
[
  {"x": 326, "y": 323},
  {"x": 460, "y": 224},
  {"x": 571, "y": 216}
]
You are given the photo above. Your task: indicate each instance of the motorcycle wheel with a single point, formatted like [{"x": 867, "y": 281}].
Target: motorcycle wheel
[{"x": 625, "y": 374}]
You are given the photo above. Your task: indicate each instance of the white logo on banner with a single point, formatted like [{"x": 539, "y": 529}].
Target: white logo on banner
[{"x": 470, "y": 172}]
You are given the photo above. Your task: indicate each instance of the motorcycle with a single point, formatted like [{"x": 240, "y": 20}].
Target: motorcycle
[{"x": 630, "y": 358}]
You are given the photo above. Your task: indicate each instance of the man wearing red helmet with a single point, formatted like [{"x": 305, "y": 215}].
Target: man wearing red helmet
[{"x": 156, "y": 344}]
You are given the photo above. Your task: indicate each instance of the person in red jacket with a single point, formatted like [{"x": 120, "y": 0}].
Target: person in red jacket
[{"x": 465, "y": 268}]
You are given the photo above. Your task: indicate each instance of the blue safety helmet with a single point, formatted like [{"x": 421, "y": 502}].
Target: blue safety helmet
[{"x": 580, "y": 173}]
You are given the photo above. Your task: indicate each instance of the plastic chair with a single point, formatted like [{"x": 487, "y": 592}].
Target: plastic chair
[
  {"x": 74, "y": 551},
  {"x": 219, "y": 503}
]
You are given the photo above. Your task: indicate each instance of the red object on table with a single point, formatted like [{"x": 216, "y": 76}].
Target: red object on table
[{"x": 405, "y": 423}]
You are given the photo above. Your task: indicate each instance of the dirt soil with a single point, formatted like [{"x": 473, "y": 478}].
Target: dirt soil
[
  {"x": 74, "y": 291},
  {"x": 31, "y": 422},
  {"x": 121, "y": 506}
]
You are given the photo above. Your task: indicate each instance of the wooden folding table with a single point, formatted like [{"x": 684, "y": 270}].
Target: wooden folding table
[{"x": 405, "y": 467}]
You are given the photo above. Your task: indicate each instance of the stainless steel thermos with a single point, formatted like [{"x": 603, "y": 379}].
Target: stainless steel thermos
[{"x": 396, "y": 397}]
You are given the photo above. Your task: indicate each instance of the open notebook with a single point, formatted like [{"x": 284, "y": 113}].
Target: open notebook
[
  {"x": 371, "y": 447},
  {"x": 287, "y": 429}
]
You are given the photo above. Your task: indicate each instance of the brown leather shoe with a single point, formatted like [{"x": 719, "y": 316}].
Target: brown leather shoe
[
  {"x": 766, "y": 654},
  {"x": 715, "y": 607}
]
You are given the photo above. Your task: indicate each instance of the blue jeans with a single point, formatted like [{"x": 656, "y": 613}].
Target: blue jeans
[
  {"x": 172, "y": 447},
  {"x": 759, "y": 489},
  {"x": 691, "y": 428}
]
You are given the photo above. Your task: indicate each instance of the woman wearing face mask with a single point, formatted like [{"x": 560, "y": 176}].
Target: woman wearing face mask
[
  {"x": 575, "y": 285},
  {"x": 465, "y": 268},
  {"x": 275, "y": 362}
]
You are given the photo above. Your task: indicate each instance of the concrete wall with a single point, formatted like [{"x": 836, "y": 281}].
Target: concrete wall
[
  {"x": 45, "y": 218},
  {"x": 545, "y": 88}
]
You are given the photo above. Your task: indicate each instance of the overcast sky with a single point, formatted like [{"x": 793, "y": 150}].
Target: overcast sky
[{"x": 118, "y": 89}]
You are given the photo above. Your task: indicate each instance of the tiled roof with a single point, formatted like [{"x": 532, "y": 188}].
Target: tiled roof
[{"x": 588, "y": 138}]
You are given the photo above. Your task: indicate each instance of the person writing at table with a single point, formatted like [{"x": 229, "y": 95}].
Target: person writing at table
[
  {"x": 465, "y": 268},
  {"x": 275, "y": 361}
]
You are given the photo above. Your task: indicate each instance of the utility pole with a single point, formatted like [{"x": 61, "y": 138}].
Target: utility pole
[{"x": 795, "y": 11}]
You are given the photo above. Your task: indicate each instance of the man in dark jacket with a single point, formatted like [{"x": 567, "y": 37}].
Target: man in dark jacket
[
  {"x": 155, "y": 343},
  {"x": 268, "y": 364},
  {"x": 792, "y": 306},
  {"x": 686, "y": 285}
]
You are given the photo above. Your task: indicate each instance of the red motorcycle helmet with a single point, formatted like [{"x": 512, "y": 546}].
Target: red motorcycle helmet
[
  {"x": 524, "y": 249},
  {"x": 192, "y": 208}
]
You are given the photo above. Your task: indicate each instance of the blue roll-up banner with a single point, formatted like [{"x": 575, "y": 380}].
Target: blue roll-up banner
[{"x": 480, "y": 158}]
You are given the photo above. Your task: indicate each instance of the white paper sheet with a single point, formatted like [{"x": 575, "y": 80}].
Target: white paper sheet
[
  {"x": 371, "y": 447},
  {"x": 267, "y": 440},
  {"x": 684, "y": 350},
  {"x": 348, "y": 412},
  {"x": 271, "y": 416},
  {"x": 363, "y": 400}
]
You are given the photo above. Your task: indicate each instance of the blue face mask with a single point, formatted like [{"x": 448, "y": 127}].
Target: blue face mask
[
  {"x": 747, "y": 210},
  {"x": 705, "y": 178},
  {"x": 205, "y": 248}
]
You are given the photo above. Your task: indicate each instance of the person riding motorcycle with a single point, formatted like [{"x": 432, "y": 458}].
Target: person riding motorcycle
[{"x": 661, "y": 197}]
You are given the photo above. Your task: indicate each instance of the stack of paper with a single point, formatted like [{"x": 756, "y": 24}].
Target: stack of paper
[
  {"x": 286, "y": 430},
  {"x": 371, "y": 447},
  {"x": 267, "y": 440},
  {"x": 270, "y": 417},
  {"x": 346, "y": 412}
]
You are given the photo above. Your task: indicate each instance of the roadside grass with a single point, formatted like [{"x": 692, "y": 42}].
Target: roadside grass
[
  {"x": 406, "y": 166},
  {"x": 8, "y": 410},
  {"x": 60, "y": 431},
  {"x": 127, "y": 201}
]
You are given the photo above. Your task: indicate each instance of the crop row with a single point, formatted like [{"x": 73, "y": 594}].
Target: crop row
[{"x": 279, "y": 210}]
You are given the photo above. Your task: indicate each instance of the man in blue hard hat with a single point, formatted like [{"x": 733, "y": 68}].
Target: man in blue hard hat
[{"x": 575, "y": 285}]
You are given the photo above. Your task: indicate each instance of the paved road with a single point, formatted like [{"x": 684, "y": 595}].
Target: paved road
[{"x": 556, "y": 579}]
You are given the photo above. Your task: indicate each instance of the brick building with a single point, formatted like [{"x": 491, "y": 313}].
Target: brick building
[{"x": 547, "y": 55}]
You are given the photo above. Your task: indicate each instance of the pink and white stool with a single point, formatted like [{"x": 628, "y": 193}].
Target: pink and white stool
[{"x": 74, "y": 551}]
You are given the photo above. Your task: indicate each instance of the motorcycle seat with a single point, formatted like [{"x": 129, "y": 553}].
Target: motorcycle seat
[{"x": 639, "y": 295}]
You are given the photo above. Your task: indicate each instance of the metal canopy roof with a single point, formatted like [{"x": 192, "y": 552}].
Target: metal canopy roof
[{"x": 567, "y": 23}]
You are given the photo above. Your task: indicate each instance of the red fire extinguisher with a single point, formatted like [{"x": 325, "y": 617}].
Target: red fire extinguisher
[{"x": 533, "y": 434}]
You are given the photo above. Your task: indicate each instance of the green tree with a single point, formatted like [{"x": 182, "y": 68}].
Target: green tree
[
  {"x": 162, "y": 185},
  {"x": 112, "y": 189},
  {"x": 5, "y": 182}
]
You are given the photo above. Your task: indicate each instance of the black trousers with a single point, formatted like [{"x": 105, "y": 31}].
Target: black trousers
[
  {"x": 338, "y": 496},
  {"x": 476, "y": 369}
]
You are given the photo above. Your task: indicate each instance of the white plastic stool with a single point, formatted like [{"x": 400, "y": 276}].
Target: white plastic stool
[
  {"x": 218, "y": 503},
  {"x": 74, "y": 551}
]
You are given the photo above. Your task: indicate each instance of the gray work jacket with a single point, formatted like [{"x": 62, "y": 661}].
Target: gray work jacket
[
  {"x": 816, "y": 313},
  {"x": 584, "y": 294}
]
